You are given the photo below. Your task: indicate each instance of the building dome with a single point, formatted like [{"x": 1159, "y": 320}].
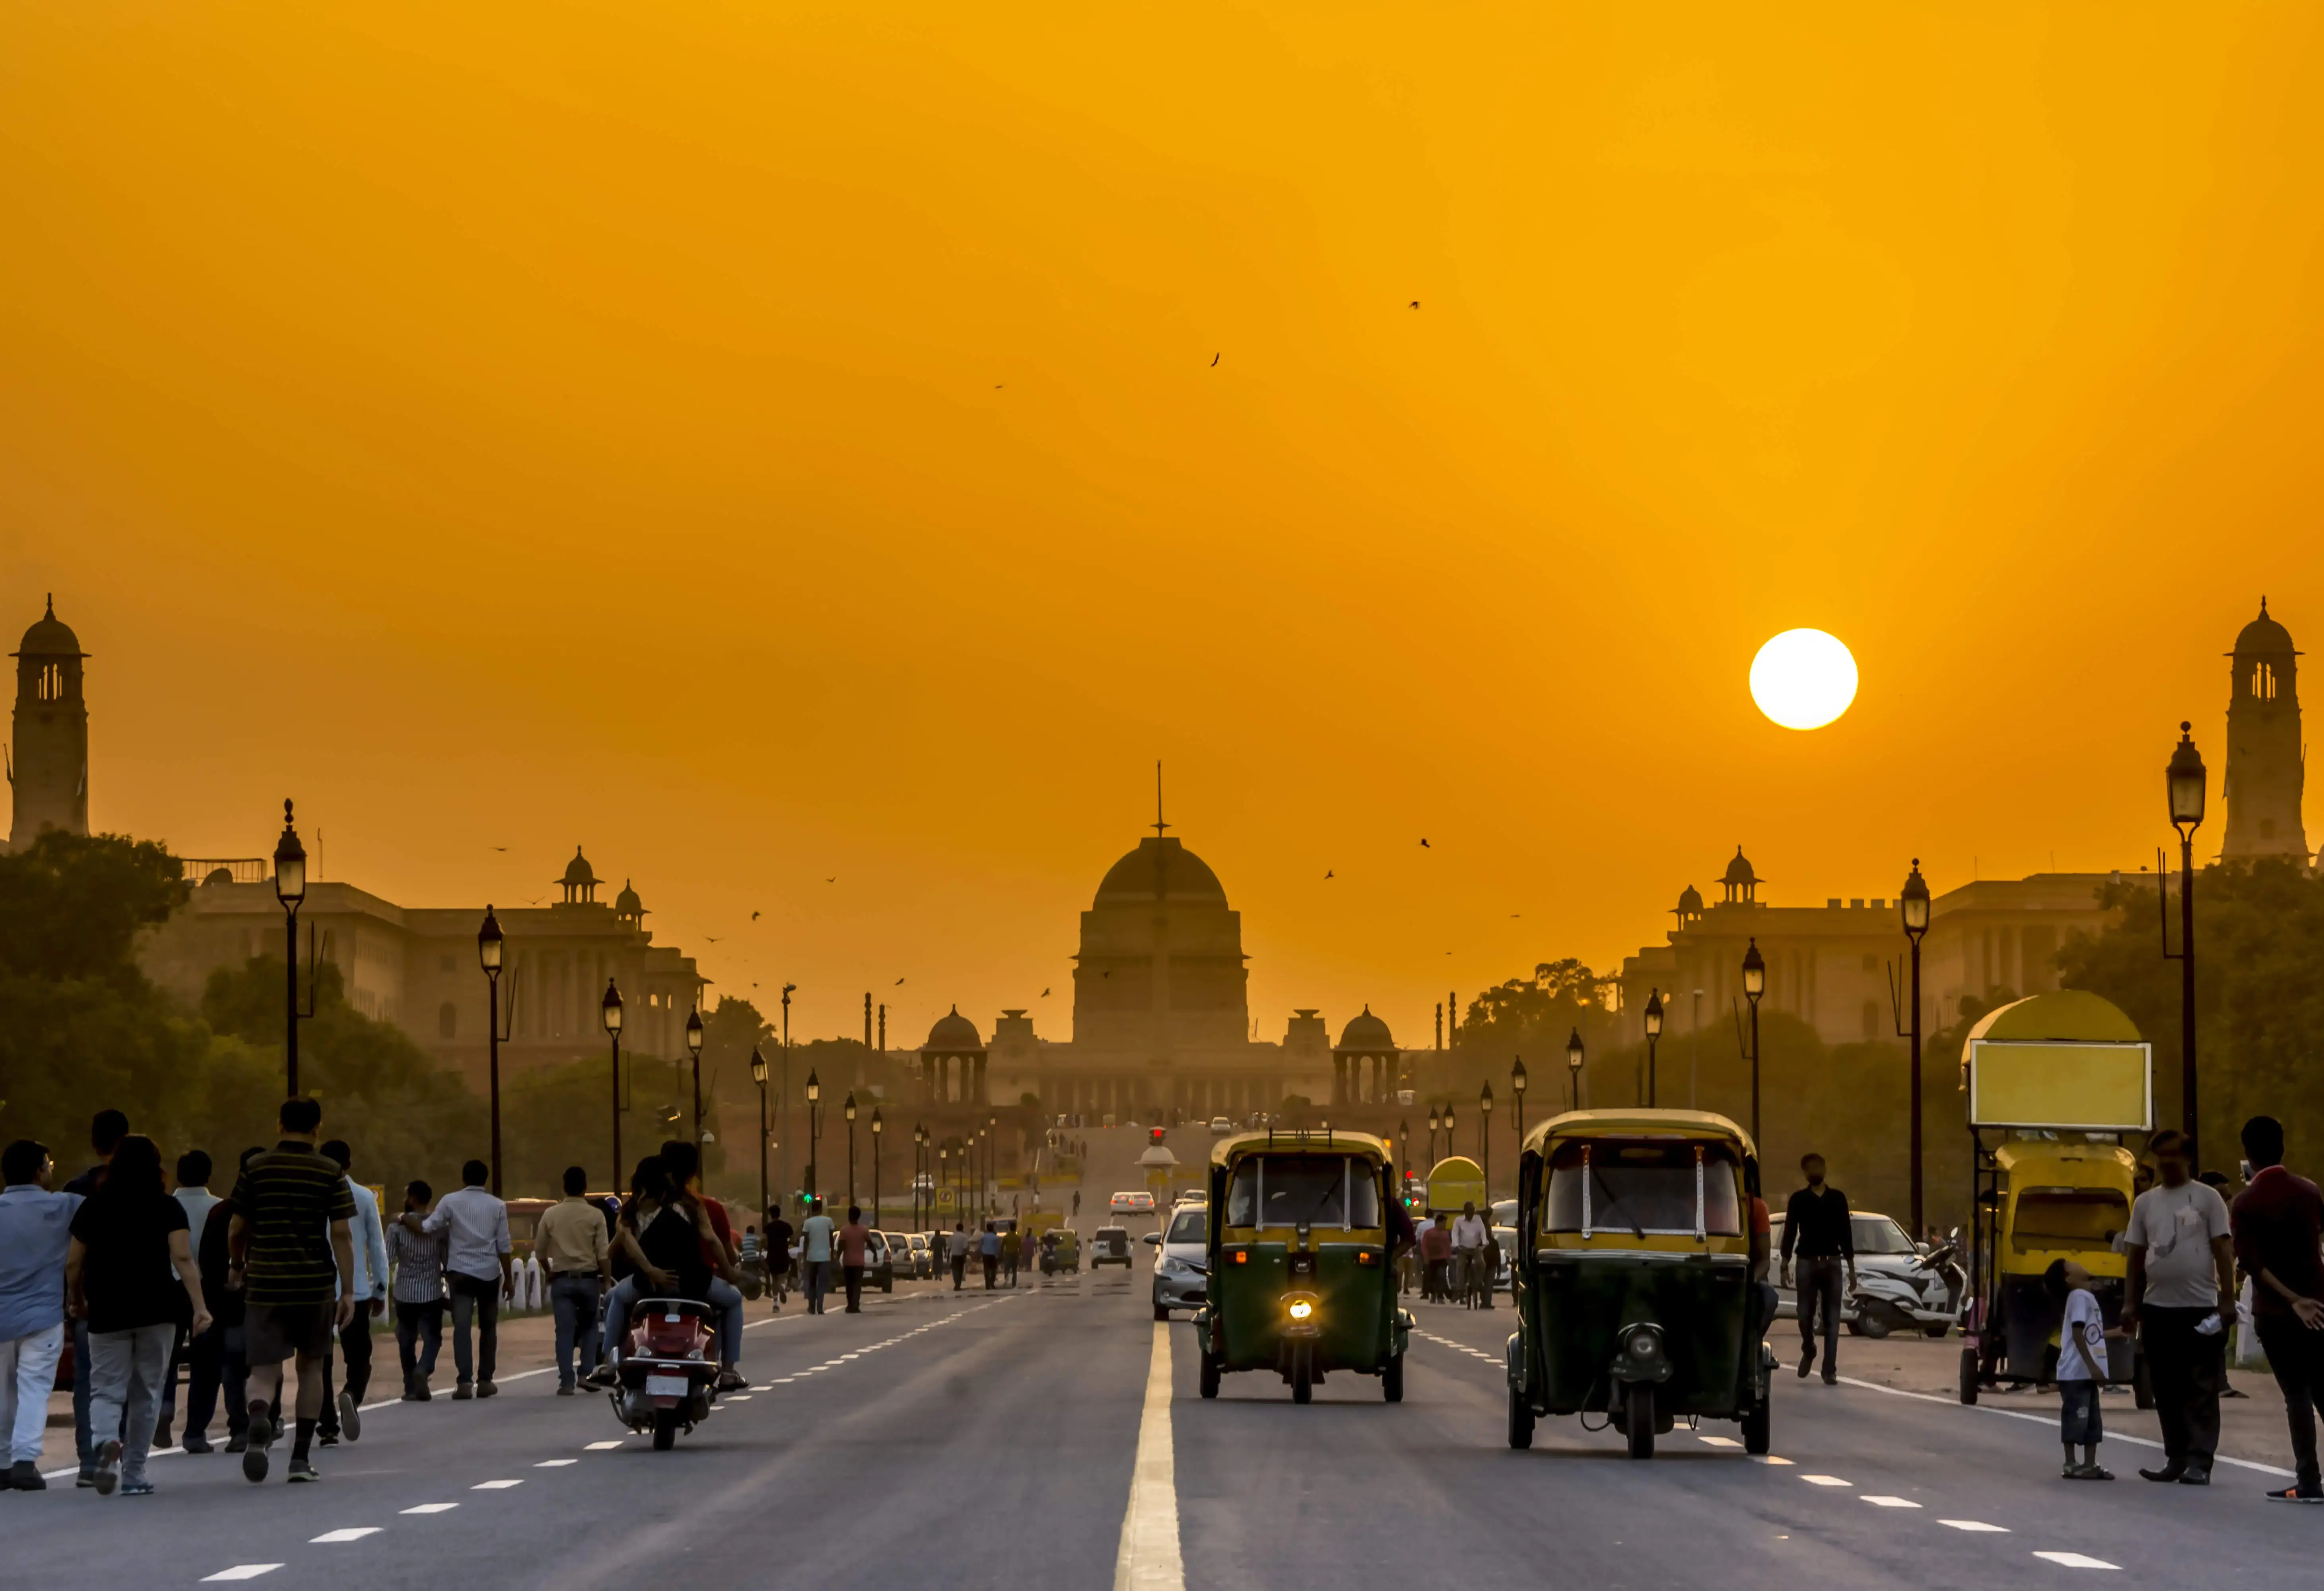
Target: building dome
[
  {"x": 1690, "y": 900},
  {"x": 1739, "y": 871},
  {"x": 626, "y": 904},
  {"x": 954, "y": 1033},
  {"x": 2263, "y": 634},
  {"x": 1161, "y": 869},
  {"x": 577, "y": 870},
  {"x": 51, "y": 637},
  {"x": 1367, "y": 1033}
]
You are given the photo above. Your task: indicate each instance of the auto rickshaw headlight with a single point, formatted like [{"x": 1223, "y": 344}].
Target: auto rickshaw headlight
[
  {"x": 1301, "y": 1308},
  {"x": 1641, "y": 1345}
]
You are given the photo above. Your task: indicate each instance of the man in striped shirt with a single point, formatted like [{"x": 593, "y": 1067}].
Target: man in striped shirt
[{"x": 298, "y": 1283}]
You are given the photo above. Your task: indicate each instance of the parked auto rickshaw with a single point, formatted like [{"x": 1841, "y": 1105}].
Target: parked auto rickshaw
[
  {"x": 1301, "y": 1282},
  {"x": 2038, "y": 1201},
  {"x": 1633, "y": 1279}
]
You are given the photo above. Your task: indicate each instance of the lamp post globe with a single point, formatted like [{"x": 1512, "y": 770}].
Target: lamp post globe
[
  {"x": 1517, "y": 1094},
  {"x": 1755, "y": 983},
  {"x": 2185, "y": 781},
  {"x": 1653, "y": 1016},
  {"x": 610, "y": 1011},
  {"x": 1913, "y": 903},
  {"x": 694, "y": 1056},
  {"x": 1574, "y": 1064},
  {"x": 759, "y": 1079},
  {"x": 289, "y": 865}
]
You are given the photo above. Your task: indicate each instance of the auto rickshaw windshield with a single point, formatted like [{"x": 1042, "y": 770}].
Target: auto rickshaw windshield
[
  {"x": 2052, "y": 1218},
  {"x": 1643, "y": 1186},
  {"x": 1303, "y": 1189}
]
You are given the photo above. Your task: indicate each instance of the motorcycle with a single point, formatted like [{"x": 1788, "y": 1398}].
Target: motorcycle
[
  {"x": 1885, "y": 1301},
  {"x": 668, "y": 1369}
]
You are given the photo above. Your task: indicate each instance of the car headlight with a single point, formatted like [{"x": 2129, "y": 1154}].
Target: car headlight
[{"x": 1302, "y": 1309}]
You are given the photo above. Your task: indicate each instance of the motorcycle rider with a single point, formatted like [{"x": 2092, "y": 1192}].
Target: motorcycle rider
[
  {"x": 1470, "y": 1236},
  {"x": 668, "y": 1237}
]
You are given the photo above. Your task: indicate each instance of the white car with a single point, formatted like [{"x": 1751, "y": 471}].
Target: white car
[
  {"x": 1178, "y": 1283},
  {"x": 1222, "y": 1125},
  {"x": 1881, "y": 1246},
  {"x": 1131, "y": 1204}
]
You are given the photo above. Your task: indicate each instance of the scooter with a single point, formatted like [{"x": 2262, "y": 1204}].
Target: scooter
[
  {"x": 667, "y": 1368},
  {"x": 1887, "y": 1301}
]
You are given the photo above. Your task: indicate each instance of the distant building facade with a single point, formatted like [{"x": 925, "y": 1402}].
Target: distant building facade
[
  {"x": 2266, "y": 773},
  {"x": 48, "y": 761}
]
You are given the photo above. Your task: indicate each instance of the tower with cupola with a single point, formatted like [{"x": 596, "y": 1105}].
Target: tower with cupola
[
  {"x": 48, "y": 764},
  {"x": 2264, "y": 762}
]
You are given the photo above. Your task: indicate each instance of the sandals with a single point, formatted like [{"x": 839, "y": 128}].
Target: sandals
[{"x": 2088, "y": 1472}]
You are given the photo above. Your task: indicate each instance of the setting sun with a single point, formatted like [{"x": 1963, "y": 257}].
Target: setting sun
[{"x": 1804, "y": 678}]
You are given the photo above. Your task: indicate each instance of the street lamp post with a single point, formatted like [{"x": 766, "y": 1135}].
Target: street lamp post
[
  {"x": 1517, "y": 1095},
  {"x": 612, "y": 1009},
  {"x": 759, "y": 1075},
  {"x": 783, "y": 1088},
  {"x": 875, "y": 1165},
  {"x": 814, "y": 1134},
  {"x": 1654, "y": 1037},
  {"x": 1448, "y": 1149},
  {"x": 1485, "y": 1136},
  {"x": 1432, "y": 1135},
  {"x": 693, "y": 1053},
  {"x": 489, "y": 952},
  {"x": 1404, "y": 1151},
  {"x": 847, "y": 1109},
  {"x": 2186, "y": 783},
  {"x": 992, "y": 1163},
  {"x": 1913, "y": 904},
  {"x": 290, "y": 889},
  {"x": 1755, "y": 983},
  {"x": 1573, "y": 1065}
]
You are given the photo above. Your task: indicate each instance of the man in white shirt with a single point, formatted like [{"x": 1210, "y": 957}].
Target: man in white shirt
[
  {"x": 344, "y": 1413},
  {"x": 816, "y": 1234},
  {"x": 476, "y": 1269},
  {"x": 1470, "y": 1235},
  {"x": 2181, "y": 1267}
]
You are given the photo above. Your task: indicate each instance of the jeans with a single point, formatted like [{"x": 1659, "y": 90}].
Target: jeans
[
  {"x": 818, "y": 1283},
  {"x": 854, "y": 1275},
  {"x": 124, "y": 1388},
  {"x": 180, "y": 1343},
  {"x": 724, "y": 1298},
  {"x": 1820, "y": 1278},
  {"x": 82, "y": 1446},
  {"x": 959, "y": 1271},
  {"x": 2189, "y": 1371},
  {"x": 354, "y": 1354},
  {"x": 419, "y": 1326},
  {"x": 28, "y": 1370},
  {"x": 478, "y": 1299},
  {"x": 2080, "y": 1423},
  {"x": 573, "y": 1298},
  {"x": 991, "y": 1269},
  {"x": 214, "y": 1360},
  {"x": 2296, "y": 1354}
]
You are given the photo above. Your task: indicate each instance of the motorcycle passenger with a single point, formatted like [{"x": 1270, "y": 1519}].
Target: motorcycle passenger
[
  {"x": 682, "y": 1163},
  {"x": 667, "y": 1239},
  {"x": 1470, "y": 1236}
]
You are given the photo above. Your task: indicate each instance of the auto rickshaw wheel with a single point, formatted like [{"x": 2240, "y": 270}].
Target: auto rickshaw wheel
[
  {"x": 1392, "y": 1379},
  {"x": 1209, "y": 1375},
  {"x": 1638, "y": 1417},
  {"x": 1302, "y": 1373},
  {"x": 1520, "y": 1420},
  {"x": 1756, "y": 1435},
  {"x": 1969, "y": 1373}
]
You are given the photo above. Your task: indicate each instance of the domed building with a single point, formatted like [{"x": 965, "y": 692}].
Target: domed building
[
  {"x": 2265, "y": 770},
  {"x": 47, "y": 772}
]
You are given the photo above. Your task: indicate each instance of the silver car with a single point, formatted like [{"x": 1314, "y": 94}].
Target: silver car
[{"x": 1180, "y": 1248}]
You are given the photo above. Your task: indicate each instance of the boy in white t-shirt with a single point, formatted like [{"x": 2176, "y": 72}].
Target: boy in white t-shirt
[{"x": 2081, "y": 1366}]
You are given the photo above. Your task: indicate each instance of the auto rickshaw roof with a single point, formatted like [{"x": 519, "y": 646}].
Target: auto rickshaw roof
[
  {"x": 2063, "y": 1016},
  {"x": 1632, "y": 1122},
  {"x": 2045, "y": 1161},
  {"x": 1298, "y": 1140}
]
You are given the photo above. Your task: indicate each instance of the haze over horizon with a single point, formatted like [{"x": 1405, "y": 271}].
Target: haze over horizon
[{"x": 853, "y": 447}]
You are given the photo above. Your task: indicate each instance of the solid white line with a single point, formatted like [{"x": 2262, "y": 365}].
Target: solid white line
[
  {"x": 433, "y": 1508},
  {"x": 2048, "y": 1419},
  {"x": 351, "y": 1533},
  {"x": 243, "y": 1572},
  {"x": 2076, "y": 1560},
  {"x": 1150, "y": 1558},
  {"x": 1978, "y": 1525}
]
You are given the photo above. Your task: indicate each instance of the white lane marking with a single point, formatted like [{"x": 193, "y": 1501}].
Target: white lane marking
[
  {"x": 243, "y": 1572},
  {"x": 1771, "y": 1458},
  {"x": 785, "y": 1380},
  {"x": 433, "y": 1508},
  {"x": 2048, "y": 1419},
  {"x": 601, "y": 1447},
  {"x": 736, "y": 1397},
  {"x": 1149, "y": 1558},
  {"x": 555, "y": 1463},
  {"x": 351, "y": 1533},
  {"x": 2076, "y": 1560},
  {"x": 1977, "y": 1525},
  {"x": 1892, "y": 1502},
  {"x": 1825, "y": 1480},
  {"x": 495, "y": 1486},
  {"x": 1720, "y": 1441}
]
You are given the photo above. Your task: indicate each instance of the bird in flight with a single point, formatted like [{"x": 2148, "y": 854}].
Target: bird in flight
[
  {"x": 899, "y": 980},
  {"x": 1214, "y": 359},
  {"x": 831, "y": 881},
  {"x": 712, "y": 938},
  {"x": 1424, "y": 845},
  {"x": 1416, "y": 303},
  {"x": 1044, "y": 993},
  {"x": 754, "y": 917},
  {"x": 500, "y": 848},
  {"x": 1515, "y": 915},
  {"x": 536, "y": 901}
]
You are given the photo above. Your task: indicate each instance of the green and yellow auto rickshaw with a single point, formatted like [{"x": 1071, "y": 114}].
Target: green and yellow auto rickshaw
[
  {"x": 1633, "y": 1277},
  {"x": 1302, "y": 1281}
]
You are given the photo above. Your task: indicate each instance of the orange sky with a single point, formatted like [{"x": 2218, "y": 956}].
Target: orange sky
[{"x": 773, "y": 442}]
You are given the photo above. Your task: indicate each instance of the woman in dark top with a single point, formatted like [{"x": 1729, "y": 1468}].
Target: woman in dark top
[
  {"x": 663, "y": 1231},
  {"x": 128, "y": 1238}
]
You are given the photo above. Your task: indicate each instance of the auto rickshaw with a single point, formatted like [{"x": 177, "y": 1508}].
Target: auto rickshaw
[
  {"x": 1632, "y": 1277},
  {"x": 2039, "y": 1200},
  {"x": 1068, "y": 1252},
  {"x": 1302, "y": 1281}
]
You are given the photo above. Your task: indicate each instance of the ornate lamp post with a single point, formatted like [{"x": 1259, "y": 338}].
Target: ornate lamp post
[
  {"x": 1432, "y": 1135},
  {"x": 1755, "y": 983},
  {"x": 1448, "y": 1129},
  {"x": 847, "y": 1109},
  {"x": 759, "y": 1075},
  {"x": 783, "y": 1090},
  {"x": 1912, "y": 904},
  {"x": 1404, "y": 1153},
  {"x": 2187, "y": 784},
  {"x": 813, "y": 1134},
  {"x": 290, "y": 889},
  {"x": 1517, "y": 1095},
  {"x": 944, "y": 1172},
  {"x": 611, "y": 1007},
  {"x": 1654, "y": 1037},
  {"x": 875, "y": 1165},
  {"x": 693, "y": 1053},
  {"x": 1485, "y": 1137},
  {"x": 1573, "y": 1065},
  {"x": 992, "y": 1163},
  {"x": 489, "y": 951}
]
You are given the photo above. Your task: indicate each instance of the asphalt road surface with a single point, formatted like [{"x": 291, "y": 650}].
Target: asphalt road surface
[{"x": 1052, "y": 1437}]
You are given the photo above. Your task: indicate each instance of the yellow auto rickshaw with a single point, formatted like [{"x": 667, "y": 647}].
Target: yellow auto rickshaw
[
  {"x": 1299, "y": 1253},
  {"x": 1632, "y": 1277}
]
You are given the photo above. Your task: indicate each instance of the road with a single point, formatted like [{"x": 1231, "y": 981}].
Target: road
[{"x": 988, "y": 1439}]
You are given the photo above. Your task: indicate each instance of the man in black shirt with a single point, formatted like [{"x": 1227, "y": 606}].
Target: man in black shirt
[{"x": 1816, "y": 1224}]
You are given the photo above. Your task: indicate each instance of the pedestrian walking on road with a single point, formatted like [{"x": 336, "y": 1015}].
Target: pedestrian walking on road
[
  {"x": 570, "y": 1244},
  {"x": 193, "y": 1192},
  {"x": 344, "y": 1413},
  {"x": 989, "y": 1250},
  {"x": 293, "y": 1255},
  {"x": 35, "y": 1240},
  {"x": 1816, "y": 1224},
  {"x": 130, "y": 1259},
  {"x": 417, "y": 1256},
  {"x": 960, "y": 1244},
  {"x": 2278, "y": 1220},
  {"x": 815, "y": 1254},
  {"x": 778, "y": 1262},
  {"x": 107, "y": 1129},
  {"x": 2183, "y": 1272},
  {"x": 220, "y": 1357},
  {"x": 476, "y": 1264},
  {"x": 854, "y": 1239},
  {"x": 1011, "y": 1246},
  {"x": 2082, "y": 1369},
  {"x": 1435, "y": 1257}
]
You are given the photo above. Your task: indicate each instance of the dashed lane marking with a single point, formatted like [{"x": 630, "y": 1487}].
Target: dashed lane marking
[
  {"x": 555, "y": 1463},
  {"x": 1771, "y": 1458},
  {"x": 495, "y": 1486},
  {"x": 433, "y": 1508},
  {"x": 1825, "y": 1480},
  {"x": 1975, "y": 1525},
  {"x": 243, "y": 1572},
  {"x": 2076, "y": 1560},
  {"x": 1891, "y": 1502},
  {"x": 601, "y": 1447},
  {"x": 2048, "y": 1419},
  {"x": 351, "y": 1533},
  {"x": 1719, "y": 1441}
]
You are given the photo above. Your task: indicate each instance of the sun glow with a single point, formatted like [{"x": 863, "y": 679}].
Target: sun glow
[{"x": 1804, "y": 678}]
